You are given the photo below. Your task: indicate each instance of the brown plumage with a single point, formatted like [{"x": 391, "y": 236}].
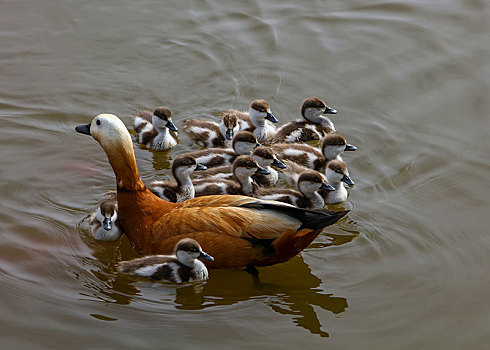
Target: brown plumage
[
  {"x": 237, "y": 231},
  {"x": 211, "y": 134}
]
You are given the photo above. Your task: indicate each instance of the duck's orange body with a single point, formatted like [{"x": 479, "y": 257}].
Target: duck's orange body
[{"x": 237, "y": 231}]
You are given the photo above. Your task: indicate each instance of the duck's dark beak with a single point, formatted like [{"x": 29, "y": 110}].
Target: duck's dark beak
[
  {"x": 83, "y": 129},
  {"x": 262, "y": 171},
  {"x": 350, "y": 148},
  {"x": 200, "y": 167},
  {"x": 171, "y": 126},
  {"x": 329, "y": 110},
  {"x": 258, "y": 144},
  {"x": 205, "y": 256},
  {"x": 327, "y": 187},
  {"x": 107, "y": 224},
  {"x": 271, "y": 117},
  {"x": 347, "y": 180},
  {"x": 229, "y": 134},
  {"x": 277, "y": 163}
]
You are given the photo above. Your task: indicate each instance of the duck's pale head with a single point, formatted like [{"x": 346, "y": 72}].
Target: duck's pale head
[
  {"x": 337, "y": 171},
  {"x": 260, "y": 109},
  {"x": 162, "y": 118},
  {"x": 313, "y": 107}
]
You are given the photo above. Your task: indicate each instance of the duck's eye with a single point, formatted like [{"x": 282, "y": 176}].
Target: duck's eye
[{"x": 97, "y": 122}]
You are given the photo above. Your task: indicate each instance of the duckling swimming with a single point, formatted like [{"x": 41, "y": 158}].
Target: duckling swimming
[
  {"x": 183, "y": 266},
  {"x": 243, "y": 169},
  {"x": 104, "y": 223},
  {"x": 336, "y": 173},
  {"x": 307, "y": 196},
  {"x": 211, "y": 134},
  {"x": 333, "y": 145},
  {"x": 258, "y": 120},
  {"x": 264, "y": 156},
  {"x": 156, "y": 130},
  {"x": 242, "y": 144},
  {"x": 315, "y": 125},
  {"x": 182, "y": 188}
]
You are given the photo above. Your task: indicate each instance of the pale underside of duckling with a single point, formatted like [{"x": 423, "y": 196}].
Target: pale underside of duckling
[
  {"x": 258, "y": 120},
  {"x": 104, "y": 223},
  {"x": 153, "y": 131},
  {"x": 183, "y": 266},
  {"x": 211, "y": 134}
]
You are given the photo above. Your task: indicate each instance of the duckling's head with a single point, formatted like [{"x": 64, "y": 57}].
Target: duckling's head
[
  {"x": 183, "y": 166},
  {"x": 260, "y": 109},
  {"x": 333, "y": 145},
  {"x": 246, "y": 166},
  {"x": 337, "y": 171},
  {"x": 229, "y": 125},
  {"x": 162, "y": 118},
  {"x": 266, "y": 157},
  {"x": 313, "y": 107},
  {"x": 311, "y": 181},
  {"x": 244, "y": 143},
  {"x": 107, "y": 213},
  {"x": 187, "y": 250}
]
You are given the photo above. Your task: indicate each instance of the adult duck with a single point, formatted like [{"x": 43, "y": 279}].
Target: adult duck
[
  {"x": 156, "y": 130},
  {"x": 238, "y": 231},
  {"x": 314, "y": 126}
]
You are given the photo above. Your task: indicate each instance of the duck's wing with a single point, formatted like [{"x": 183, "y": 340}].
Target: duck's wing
[
  {"x": 240, "y": 217},
  {"x": 131, "y": 266}
]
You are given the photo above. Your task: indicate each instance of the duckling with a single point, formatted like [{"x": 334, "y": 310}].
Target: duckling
[
  {"x": 243, "y": 144},
  {"x": 183, "y": 266},
  {"x": 335, "y": 174},
  {"x": 211, "y": 134},
  {"x": 243, "y": 168},
  {"x": 264, "y": 156},
  {"x": 104, "y": 223},
  {"x": 238, "y": 231},
  {"x": 182, "y": 188},
  {"x": 307, "y": 196},
  {"x": 156, "y": 130},
  {"x": 332, "y": 147},
  {"x": 315, "y": 126},
  {"x": 255, "y": 121}
]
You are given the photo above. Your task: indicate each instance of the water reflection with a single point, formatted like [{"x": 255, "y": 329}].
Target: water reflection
[{"x": 290, "y": 289}]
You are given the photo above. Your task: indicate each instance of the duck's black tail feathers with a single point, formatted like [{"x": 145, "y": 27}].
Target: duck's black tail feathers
[{"x": 310, "y": 219}]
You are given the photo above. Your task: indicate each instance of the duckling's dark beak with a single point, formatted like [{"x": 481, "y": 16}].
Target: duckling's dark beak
[
  {"x": 277, "y": 163},
  {"x": 347, "y": 180},
  {"x": 258, "y": 144},
  {"x": 200, "y": 167},
  {"x": 271, "y": 117},
  {"x": 327, "y": 187},
  {"x": 229, "y": 134},
  {"x": 205, "y": 256},
  {"x": 171, "y": 126},
  {"x": 262, "y": 171},
  {"x": 83, "y": 129},
  {"x": 107, "y": 224},
  {"x": 350, "y": 148},
  {"x": 329, "y": 110}
]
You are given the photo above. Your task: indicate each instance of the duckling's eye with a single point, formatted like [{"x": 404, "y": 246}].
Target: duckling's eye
[{"x": 97, "y": 122}]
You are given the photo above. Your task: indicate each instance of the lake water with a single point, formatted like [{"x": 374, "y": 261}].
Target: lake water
[{"x": 408, "y": 269}]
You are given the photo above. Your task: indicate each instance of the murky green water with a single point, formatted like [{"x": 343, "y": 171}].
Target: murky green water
[{"x": 407, "y": 270}]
